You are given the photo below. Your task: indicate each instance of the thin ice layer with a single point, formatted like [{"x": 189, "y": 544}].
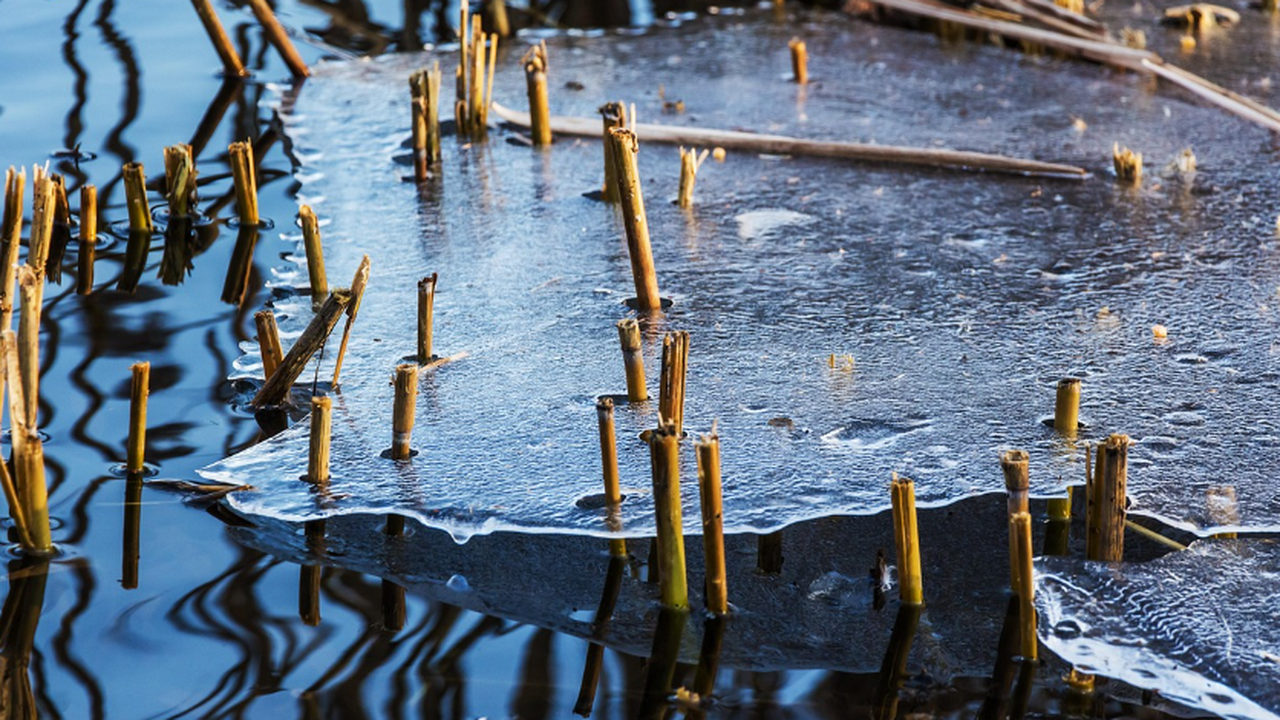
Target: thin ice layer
[
  {"x": 1199, "y": 626},
  {"x": 961, "y": 298}
]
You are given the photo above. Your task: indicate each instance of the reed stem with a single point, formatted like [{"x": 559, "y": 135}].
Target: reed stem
[
  {"x": 1024, "y": 582},
  {"x": 1017, "y": 482},
  {"x": 406, "y": 400},
  {"x": 135, "y": 193},
  {"x": 180, "y": 179},
  {"x": 231, "y": 63},
  {"x": 671, "y": 384},
  {"x": 31, "y": 288},
  {"x": 1105, "y": 499},
  {"x": 138, "y": 391},
  {"x": 632, "y": 359},
  {"x": 609, "y": 469},
  {"x": 279, "y": 39},
  {"x": 535, "y": 74},
  {"x": 43, "y": 215},
  {"x": 906, "y": 540},
  {"x": 1066, "y": 408},
  {"x": 690, "y": 162},
  {"x": 426, "y": 315},
  {"x": 276, "y": 388},
  {"x": 88, "y": 238},
  {"x": 708, "y": 449},
  {"x": 315, "y": 253},
  {"x": 359, "y": 282},
  {"x": 664, "y": 447},
  {"x": 268, "y": 342},
  {"x": 1128, "y": 164},
  {"x": 498, "y": 15},
  {"x": 246, "y": 181},
  {"x": 28, "y": 452},
  {"x": 799, "y": 61},
  {"x": 11, "y": 235},
  {"x": 55, "y": 247},
  {"x": 318, "y": 446},
  {"x": 624, "y": 150},
  {"x": 613, "y": 115}
]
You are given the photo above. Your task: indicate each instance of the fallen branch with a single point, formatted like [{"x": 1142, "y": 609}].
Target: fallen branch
[{"x": 782, "y": 145}]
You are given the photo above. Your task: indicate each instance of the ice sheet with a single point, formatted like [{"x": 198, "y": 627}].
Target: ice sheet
[{"x": 962, "y": 298}]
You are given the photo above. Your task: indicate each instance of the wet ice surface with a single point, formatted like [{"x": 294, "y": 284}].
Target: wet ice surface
[
  {"x": 1199, "y": 626},
  {"x": 962, "y": 298}
]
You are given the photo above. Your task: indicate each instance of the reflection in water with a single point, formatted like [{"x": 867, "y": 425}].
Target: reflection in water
[{"x": 18, "y": 623}]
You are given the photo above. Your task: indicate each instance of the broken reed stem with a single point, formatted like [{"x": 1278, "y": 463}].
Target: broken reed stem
[
  {"x": 42, "y": 218},
  {"x": 535, "y": 75},
  {"x": 276, "y": 388},
  {"x": 1015, "y": 464},
  {"x": 135, "y": 194},
  {"x": 1060, "y": 508},
  {"x": 613, "y": 115},
  {"x": 139, "y": 388},
  {"x": 1128, "y": 164},
  {"x": 358, "y": 284},
  {"x": 609, "y": 469},
  {"x": 16, "y": 511},
  {"x": 31, "y": 288},
  {"x": 671, "y": 384},
  {"x": 426, "y": 315},
  {"x": 268, "y": 342},
  {"x": 424, "y": 89},
  {"x": 278, "y": 38},
  {"x": 246, "y": 182},
  {"x": 664, "y": 447},
  {"x": 406, "y": 401},
  {"x": 28, "y": 453},
  {"x": 1066, "y": 408},
  {"x": 1024, "y": 582},
  {"x": 632, "y": 359},
  {"x": 799, "y": 61},
  {"x": 624, "y": 150},
  {"x": 690, "y": 162},
  {"x": 708, "y": 449},
  {"x": 906, "y": 540},
  {"x": 180, "y": 179},
  {"x": 218, "y": 36},
  {"x": 318, "y": 445},
  {"x": 11, "y": 233},
  {"x": 315, "y": 253},
  {"x": 88, "y": 238},
  {"x": 59, "y": 232},
  {"x": 1105, "y": 499},
  {"x": 471, "y": 110}
]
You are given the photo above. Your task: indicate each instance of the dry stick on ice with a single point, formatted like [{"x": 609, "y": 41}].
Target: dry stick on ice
[
  {"x": 906, "y": 540},
  {"x": 358, "y": 285},
  {"x": 135, "y": 193},
  {"x": 1024, "y": 582},
  {"x": 246, "y": 182},
  {"x": 799, "y": 61},
  {"x": 613, "y": 115},
  {"x": 624, "y": 149},
  {"x": 406, "y": 401},
  {"x": 268, "y": 341},
  {"x": 632, "y": 359},
  {"x": 315, "y": 253},
  {"x": 11, "y": 233},
  {"x": 1017, "y": 482},
  {"x": 690, "y": 162},
  {"x": 218, "y": 36},
  {"x": 278, "y": 38},
  {"x": 28, "y": 453},
  {"x": 664, "y": 447},
  {"x": 139, "y": 388},
  {"x": 535, "y": 75},
  {"x": 426, "y": 311},
  {"x": 318, "y": 446},
  {"x": 708, "y": 449},
  {"x": 1105, "y": 499},
  {"x": 609, "y": 468},
  {"x": 88, "y": 238},
  {"x": 276, "y": 388}
]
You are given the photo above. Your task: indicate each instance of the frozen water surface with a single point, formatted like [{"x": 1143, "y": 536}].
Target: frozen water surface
[
  {"x": 1199, "y": 625},
  {"x": 962, "y": 298}
]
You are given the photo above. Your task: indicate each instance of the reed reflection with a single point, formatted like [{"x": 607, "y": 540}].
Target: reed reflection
[{"x": 18, "y": 622}]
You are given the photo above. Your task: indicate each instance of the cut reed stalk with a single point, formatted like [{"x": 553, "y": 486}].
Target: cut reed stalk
[
  {"x": 498, "y": 16},
  {"x": 717, "y": 587},
  {"x": 135, "y": 194},
  {"x": 473, "y": 93},
  {"x": 279, "y": 39},
  {"x": 613, "y": 115},
  {"x": 431, "y": 95},
  {"x": 906, "y": 540},
  {"x": 426, "y": 315},
  {"x": 245, "y": 177},
  {"x": 406, "y": 401},
  {"x": 418, "y": 107},
  {"x": 268, "y": 341},
  {"x": 535, "y": 75},
  {"x": 799, "y": 61},
  {"x": 139, "y": 388},
  {"x": 28, "y": 453},
  {"x": 1128, "y": 164},
  {"x": 632, "y": 359},
  {"x": 60, "y": 232},
  {"x": 43, "y": 215},
  {"x": 88, "y": 238},
  {"x": 1106, "y": 493},
  {"x": 1066, "y": 407},
  {"x": 276, "y": 389},
  {"x": 1060, "y": 508},
  {"x": 624, "y": 150},
  {"x": 690, "y": 162},
  {"x": 1017, "y": 482},
  {"x": 1024, "y": 582},
  {"x": 671, "y": 385},
  {"x": 31, "y": 288},
  {"x": 358, "y": 284},
  {"x": 664, "y": 447},
  {"x": 218, "y": 36},
  {"x": 11, "y": 234},
  {"x": 318, "y": 444},
  {"x": 609, "y": 469},
  {"x": 180, "y": 179},
  {"x": 315, "y": 253}
]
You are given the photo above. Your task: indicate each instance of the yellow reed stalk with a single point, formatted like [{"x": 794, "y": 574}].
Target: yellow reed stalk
[
  {"x": 671, "y": 384},
  {"x": 460, "y": 74},
  {"x": 1024, "y": 582},
  {"x": 1060, "y": 508},
  {"x": 498, "y": 14},
  {"x": 218, "y": 36},
  {"x": 625, "y": 148},
  {"x": 1106, "y": 492},
  {"x": 418, "y": 107},
  {"x": 276, "y": 389},
  {"x": 268, "y": 342},
  {"x": 246, "y": 182},
  {"x": 88, "y": 238},
  {"x": 1075, "y": 6},
  {"x": 426, "y": 315},
  {"x": 135, "y": 193},
  {"x": 402, "y": 416},
  {"x": 315, "y": 253},
  {"x": 1128, "y": 164},
  {"x": 535, "y": 75},
  {"x": 138, "y": 391},
  {"x": 358, "y": 284},
  {"x": 1015, "y": 464},
  {"x": 318, "y": 447},
  {"x": 690, "y": 162},
  {"x": 664, "y": 447},
  {"x": 799, "y": 61},
  {"x": 708, "y": 449},
  {"x": 475, "y": 81},
  {"x": 613, "y": 115},
  {"x": 487, "y": 100},
  {"x": 11, "y": 235},
  {"x": 28, "y": 453},
  {"x": 180, "y": 179},
  {"x": 1066, "y": 408},
  {"x": 279, "y": 39},
  {"x": 609, "y": 468},
  {"x": 31, "y": 289},
  {"x": 632, "y": 359},
  {"x": 42, "y": 218},
  {"x": 906, "y": 540},
  {"x": 432, "y": 98}
]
